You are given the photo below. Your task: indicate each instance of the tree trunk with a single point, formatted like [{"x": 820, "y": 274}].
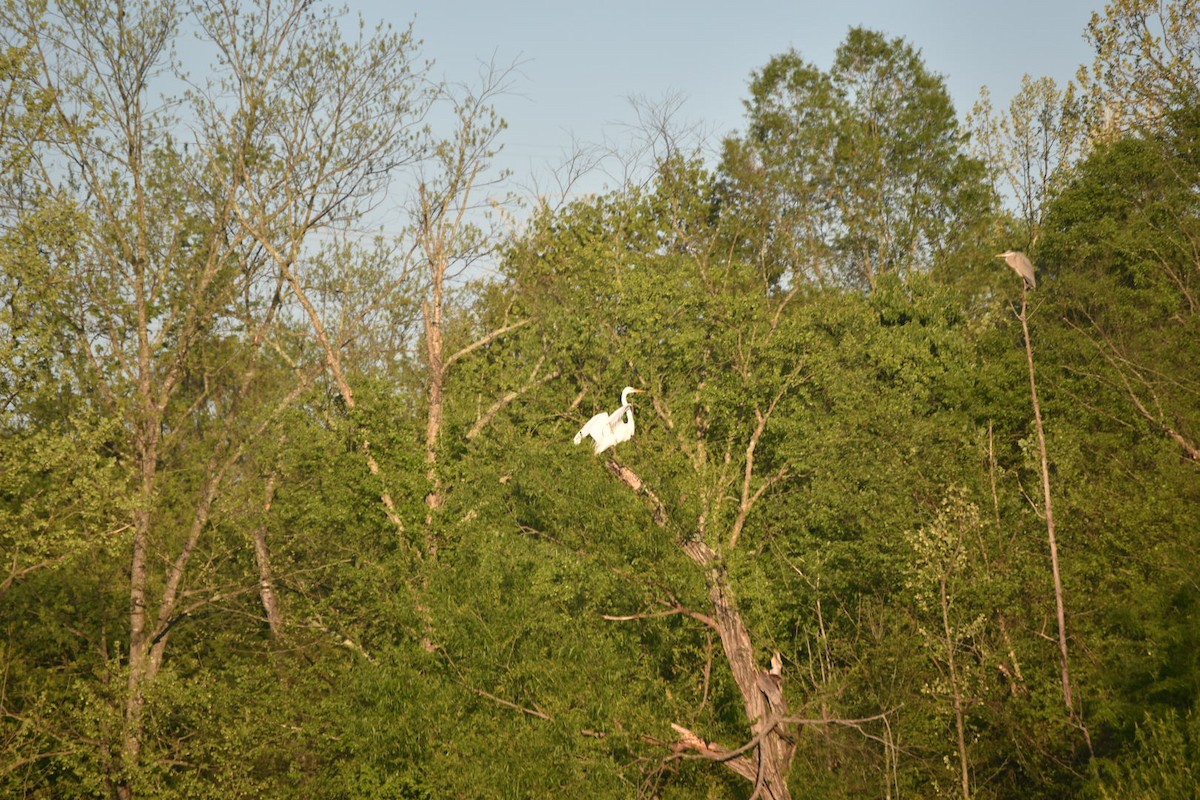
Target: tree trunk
[
  {"x": 955, "y": 691},
  {"x": 769, "y": 769},
  {"x": 262, "y": 557},
  {"x": 434, "y": 347},
  {"x": 1059, "y": 604}
]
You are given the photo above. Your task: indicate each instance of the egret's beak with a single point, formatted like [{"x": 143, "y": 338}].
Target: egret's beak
[{"x": 998, "y": 255}]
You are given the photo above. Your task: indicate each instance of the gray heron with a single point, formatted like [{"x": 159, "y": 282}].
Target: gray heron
[{"x": 1021, "y": 265}]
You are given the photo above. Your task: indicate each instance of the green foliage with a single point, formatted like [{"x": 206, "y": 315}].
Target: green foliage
[
  {"x": 1161, "y": 764},
  {"x": 859, "y": 464},
  {"x": 1120, "y": 241},
  {"x": 1144, "y": 63},
  {"x": 853, "y": 174}
]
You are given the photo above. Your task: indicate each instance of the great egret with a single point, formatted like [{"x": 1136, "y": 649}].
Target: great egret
[
  {"x": 611, "y": 429},
  {"x": 1021, "y": 265}
]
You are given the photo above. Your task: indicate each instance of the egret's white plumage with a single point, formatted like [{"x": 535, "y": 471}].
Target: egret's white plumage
[
  {"x": 1021, "y": 265},
  {"x": 610, "y": 429}
]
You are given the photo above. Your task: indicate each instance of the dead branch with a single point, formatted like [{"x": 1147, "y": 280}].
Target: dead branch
[
  {"x": 503, "y": 402},
  {"x": 533, "y": 712},
  {"x": 711, "y": 751},
  {"x": 634, "y": 482},
  {"x": 782, "y": 305},
  {"x": 1048, "y": 507},
  {"x": 748, "y": 499},
  {"x": 484, "y": 340},
  {"x": 332, "y": 358},
  {"x": 345, "y": 641},
  {"x": 262, "y": 556},
  {"x": 1124, "y": 367},
  {"x": 747, "y": 503},
  {"x": 1190, "y": 448},
  {"x": 15, "y": 573},
  {"x": 769, "y": 771},
  {"x": 670, "y": 612},
  {"x": 708, "y": 667}
]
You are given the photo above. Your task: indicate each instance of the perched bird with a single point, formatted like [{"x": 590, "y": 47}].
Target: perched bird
[
  {"x": 770, "y": 683},
  {"x": 611, "y": 429},
  {"x": 1021, "y": 265}
]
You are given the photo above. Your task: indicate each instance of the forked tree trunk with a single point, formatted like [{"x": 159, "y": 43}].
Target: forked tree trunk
[
  {"x": 135, "y": 702},
  {"x": 766, "y": 760},
  {"x": 768, "y": 765}
]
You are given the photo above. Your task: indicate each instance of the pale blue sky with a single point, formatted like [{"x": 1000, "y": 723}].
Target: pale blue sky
[{"x": 581, "y": 61}]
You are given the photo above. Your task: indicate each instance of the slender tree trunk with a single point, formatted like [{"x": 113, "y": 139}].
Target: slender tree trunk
[
  {"x": 955, "y": 692},
  {"x": 148, "y": 643},
  {"x": 131, "y": 737},
  {"x": 334, "y": 361},
  {"x": 435, "y": 352},
  {"x": 446, "y": 236},
  {"x": 262, "y": 557},
  {"x": 149, "y": 436},
  {"x": 1059, "y": 603}
]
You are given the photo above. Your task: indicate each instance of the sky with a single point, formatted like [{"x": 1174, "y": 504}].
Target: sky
[{"x": 578, "y": 64}]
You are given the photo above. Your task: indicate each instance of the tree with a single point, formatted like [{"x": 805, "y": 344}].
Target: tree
[
  {"x": 451, "y": 242},
  {"x": 779, "y": 175},
  {"x": 1118, "y": 249},
  {"x": 320, "y": 126},
  {"x": 855, "y": 173},
  {"x": 50, "y": 476},
  {"x": 1128, "y": 219},
  {"x": 816, "y": 569},
  {"x": 1029, "y": 150},
  {"x": 761, "y": 429},
  {"x": 181, "y": 279},
  {"x": 941, "y": 555},
  {"x": 1146, "y": 63}
]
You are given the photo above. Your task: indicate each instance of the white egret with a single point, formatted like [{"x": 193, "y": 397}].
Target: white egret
[
  {"x": 611, "y": 429},
  {"x": 1021, "y": 265}
]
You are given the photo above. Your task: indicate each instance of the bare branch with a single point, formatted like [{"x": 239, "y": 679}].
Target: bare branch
[
  {"x": 678, "y": 609},
  {"x": 485, "y": 340},
  {"x": 509, "y": 397},
  {"x": 262, "y": 555},
  {"x": 533, "y": 712},
  {"x": 634, "y": 481},
  {"x": 1124, "y": 368},
  {"x": 709, "y": 751},
  {"x": 1051, "y": 532},
  {"x": 748, "y": 500}
]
